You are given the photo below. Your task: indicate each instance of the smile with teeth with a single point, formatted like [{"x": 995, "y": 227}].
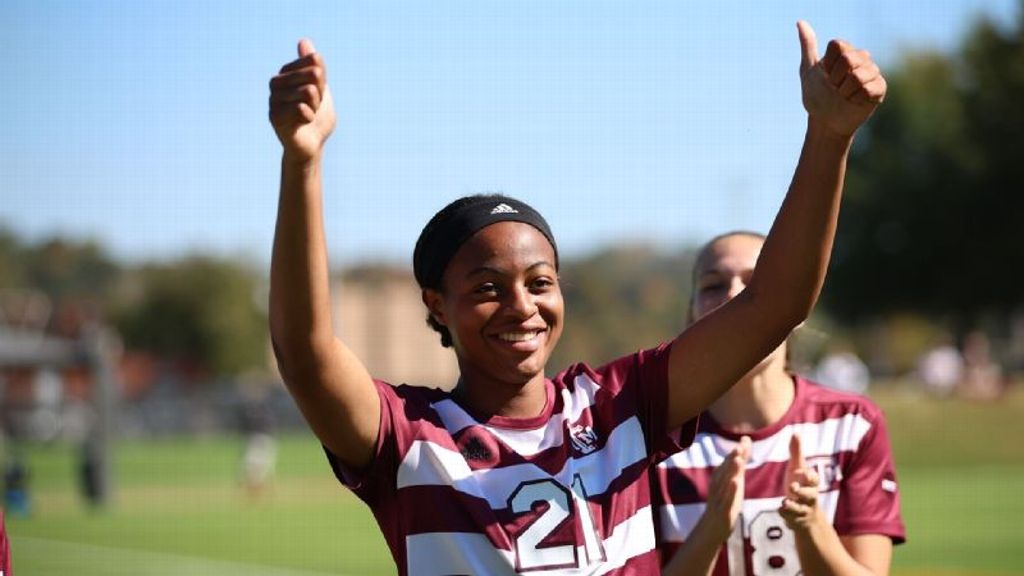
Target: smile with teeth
[{"x": 519, "y": 336}]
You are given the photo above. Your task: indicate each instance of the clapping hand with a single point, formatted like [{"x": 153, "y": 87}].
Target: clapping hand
[{"x": 800, "y": 508}]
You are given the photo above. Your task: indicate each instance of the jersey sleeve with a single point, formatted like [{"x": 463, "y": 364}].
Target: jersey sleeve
[
  {"x": 642, "y": 378},
  {"x": 869, "y": 501},
  {"x": 376, "y": 479}
]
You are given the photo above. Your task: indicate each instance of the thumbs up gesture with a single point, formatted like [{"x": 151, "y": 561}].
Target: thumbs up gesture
[
  {"x": 301, "y": 108},
  {"x": 842, "y": 89},
  {"x": 799, "y": 508}
]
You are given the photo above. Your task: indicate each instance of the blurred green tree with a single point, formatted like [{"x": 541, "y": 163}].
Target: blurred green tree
[
  {"x": 12, "y": 268},
  {"x": 934, "y": 193},
  {"x": 65, "y": 269},
  {"x": 622, "y": 299},
  {"x": 57, "y": 267},
  {"x": 200, "y": 310}
]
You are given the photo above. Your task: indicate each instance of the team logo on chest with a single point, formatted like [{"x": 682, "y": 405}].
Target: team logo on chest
[
  {"x": 478, "y": 449},
  {"x": 828, "y": 469},
  {"x": 584, "y": 439}
]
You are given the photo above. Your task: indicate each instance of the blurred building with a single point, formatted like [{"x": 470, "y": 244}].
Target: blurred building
[
  {"x": 49, "y": 370},
  {"x": 380, "y": 315}
]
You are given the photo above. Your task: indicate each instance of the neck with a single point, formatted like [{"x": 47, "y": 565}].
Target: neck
[
  {"x": 511, "y": 400},
  {"x": 758, "y": 400}
]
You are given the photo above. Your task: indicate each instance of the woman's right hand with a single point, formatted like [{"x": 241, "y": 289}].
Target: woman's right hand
[
  {"x": 843, "y": 88},
  {"x": 301, "y": 108},
  {"x": 725, "y": 494},
  {"x": 799, "y": 509}
]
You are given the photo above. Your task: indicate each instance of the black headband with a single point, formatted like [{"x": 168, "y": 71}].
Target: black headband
[{"x": 457, "y": 222}]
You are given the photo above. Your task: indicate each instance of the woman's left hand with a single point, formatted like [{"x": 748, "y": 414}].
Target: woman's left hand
[{"x": 800, "y": 508}]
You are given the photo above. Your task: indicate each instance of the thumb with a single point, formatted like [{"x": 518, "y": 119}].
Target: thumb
[
  {"x": 744, "y": 449},
  {"x": 796, "y": 453},
  {"x": 306, "y": 47},
  {"x": 808, "y": 45}
]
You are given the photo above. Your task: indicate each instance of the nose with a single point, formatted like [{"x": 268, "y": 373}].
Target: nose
[
  {"x": 522, "y": 302},
  {"x": 736, "y": 285}
]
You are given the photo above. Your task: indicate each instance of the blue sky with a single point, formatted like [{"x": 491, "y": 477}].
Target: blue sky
[{"x": 143, "y": 124}]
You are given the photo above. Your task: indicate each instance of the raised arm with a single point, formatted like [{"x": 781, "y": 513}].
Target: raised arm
[
  {"x": 329, "y": 384},
  {"x": 840, "y": 91}
]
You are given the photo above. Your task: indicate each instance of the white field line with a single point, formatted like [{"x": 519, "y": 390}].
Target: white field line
[{"x": 142, "y": 562}]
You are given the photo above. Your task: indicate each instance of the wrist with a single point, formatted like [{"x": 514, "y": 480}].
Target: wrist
[
  {"x": 301, "y": 161},
  {"x": 716, "y": 529},
  {"x": 819, "y": 131},
  {"x": 812, "y": 527}
]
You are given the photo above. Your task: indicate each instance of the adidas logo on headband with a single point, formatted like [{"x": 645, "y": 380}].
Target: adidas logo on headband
[
  {"x": 460, "y": 220},
  {"x": 504, "y": 209}
]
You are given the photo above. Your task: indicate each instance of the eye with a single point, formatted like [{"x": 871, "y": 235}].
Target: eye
[
  {"x": 542, "y": 283},
  {"x": 711, "y": 287},
  {"x": 485, "y": 289}
]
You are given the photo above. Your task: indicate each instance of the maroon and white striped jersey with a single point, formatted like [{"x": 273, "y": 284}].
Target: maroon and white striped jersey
[
  {"x": 843, "y": 436},
  {"x": 566, "y": 492}
]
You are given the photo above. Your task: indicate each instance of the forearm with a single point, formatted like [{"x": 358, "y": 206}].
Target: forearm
[
  {"x": 330, "y": 385},
  {"x": 698, "y": 554},
  {"x": 822, "y": 553},
  {"x": 721, "y": 347},
  {"x": 794, "y": 260},
  {"x": 300, "y": 311}
]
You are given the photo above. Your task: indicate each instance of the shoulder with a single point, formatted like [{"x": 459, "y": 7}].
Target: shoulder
[
  {"x": 411, "y": 402},
  {"x": 641, "y": 364},
  {"x": 834, "y": 403},
  {"x": 411, "y": 392}
]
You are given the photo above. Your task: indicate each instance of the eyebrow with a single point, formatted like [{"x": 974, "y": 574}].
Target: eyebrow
[{"x": 492, "y": 270}]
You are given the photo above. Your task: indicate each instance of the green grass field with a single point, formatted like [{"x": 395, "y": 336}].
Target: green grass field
[{"x": 179, "y": 509}]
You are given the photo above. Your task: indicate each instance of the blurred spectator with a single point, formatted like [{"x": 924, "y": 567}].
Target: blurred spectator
[
  {"x": 983, "y": 377},
  {"x": 941, "y": 368},
  {"x": 91, "y": 473},
  {"x": 1015, "y": 346},
  {"x": 16, "y": 494},
  {"x": 841, "y": 369},
  {"x": 256, "y": 422}
]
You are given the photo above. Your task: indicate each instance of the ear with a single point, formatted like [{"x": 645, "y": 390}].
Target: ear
[{"x": 434, "y": 301}]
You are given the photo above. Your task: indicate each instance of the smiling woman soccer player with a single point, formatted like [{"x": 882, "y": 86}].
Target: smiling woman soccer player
[
  {"x": 514, "y": 471},
  {"x": 766, "y": 509}
]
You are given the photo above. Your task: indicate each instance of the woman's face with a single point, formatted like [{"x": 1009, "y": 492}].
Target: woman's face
[
  {"x": 502, "y": 304},
  {"x": 723, "y": 271}
]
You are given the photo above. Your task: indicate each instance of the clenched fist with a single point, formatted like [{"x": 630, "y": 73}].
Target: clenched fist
[
  {"x": 301, "y": 109},
  {"x": 842, "y": 89}
]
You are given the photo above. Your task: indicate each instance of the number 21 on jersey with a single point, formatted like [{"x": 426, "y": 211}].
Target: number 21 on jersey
[{"x": 562, "y": 505}]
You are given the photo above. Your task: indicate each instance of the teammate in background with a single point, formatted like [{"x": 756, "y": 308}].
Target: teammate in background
[
  {"x": 785, "y": 476},
  {"x": 512, "y": 471}
]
